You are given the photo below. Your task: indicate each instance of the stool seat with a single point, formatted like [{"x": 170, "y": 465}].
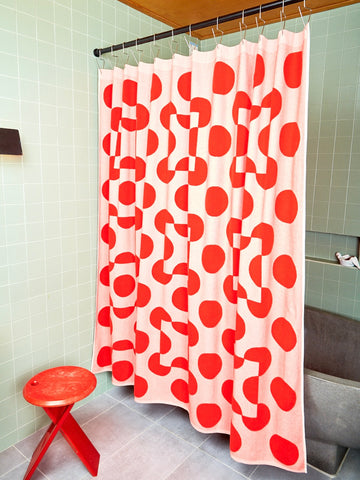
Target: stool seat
[
  {"x": 59, "y": 386},
  {"x": 56, "y": 390}
]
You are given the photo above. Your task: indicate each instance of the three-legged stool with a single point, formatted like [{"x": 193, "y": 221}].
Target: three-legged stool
[{"x": 56, "y": 390}]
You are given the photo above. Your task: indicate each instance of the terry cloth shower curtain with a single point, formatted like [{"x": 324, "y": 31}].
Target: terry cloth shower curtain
[{"x": 201, "y": 240}]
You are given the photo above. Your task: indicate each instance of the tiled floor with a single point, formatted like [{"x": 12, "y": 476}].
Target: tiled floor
[{"x": 147, "y": 442}]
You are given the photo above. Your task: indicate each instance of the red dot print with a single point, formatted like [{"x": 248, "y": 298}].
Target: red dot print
[
  {"x": 124, "y": 285},
  {"x": 210, "y": 312},
  {"x": 284, "y": 271},
  {"x": 104, "y": 276},
  {"x": 213, "y": 258},
  {"x": 193, "y": 334},
  {"x": 286, "y": 206},
  {"x": 289, "y": 139},
  {"x": 123, "y": 312},
  {"x": 229, "y": 291},
  {"x": 142, "y": 117},
  {"x": 199, "y": 174},
  {"x": 146, "y": 246},
  {"x": 156, "y": 87},
  {"x": 242, "y": 140},
  {"x": 106, "y": 143},
  {"x": 122, "y": 345},
  {"x": 143, "y": 295},
  {"x": 116, "y": 113},
  {"x": 140, "y": 386},
  {"x": 156, "y": 367},
  {"x": 263, "y": 140},
  {"x": 182, "y": 197},
  {"x": 251, "y": 389},
  {"x": 141, "y": 341},
  {"x": 203, "y": 107},
  {"x": 166, "y": 112},
  {"x": 165, "y": 343},
  {"x": 184, "y": 86},
  {"x": 228, "y": 340},
  {"x": 284, "y": 450},
  {"x": 152, "y": 142},
  {"x": 180, "y": 298},
  {"x": 259, "y": 73},
  {"x": 105, "y": 189},
  {"x": 129, "y": 92},
  {"x": 108, "y": 91},
  {"x": 208, "y": 414},
  {"x": 255, "y": 270},
  {"x": 262, "y": 308},
  {"x": 196, "y": 226},
  {"x": 104, "y": 357},
  {"x": 261, "y": 355},
  {"x": 159, "y": 274},
  {"x": 260, "y": 421},
  {"x": 240, "y": 327},
  {"x": 108, "y": 235},
  {"x": 242, "y": 100},
  {"x": 127, "y": 193},
  {"x": 227, "y": 390},
  {"x": 219, "y": 141},
  {"x": 140, "y": 168},
  {"x": 272, "y": 100},
  {"x": 293, "y": 69},
  {"x": 122, "y": 370},
  {"x": 283, "y": 394},
  {"x": 284, "y": 334},
  {"x": 193, "y": 282},
  {"x": 267, "y": 180},
  {"x": 248, "y": 204},
  {"x": 128, "y": 124},
  {"x": 149, "y": 195},
  {"x": 193, "y": 387},
  {"x": 163, "y": 172},
  {"x": 180, "y": 390},
  {"x": 223, "y": 79},
  {"x": 265, "y": 232},
  {"x": 104, "y": 317},
  {"x": 216, "y": 201},
  {"x": 235, "y": 439}
]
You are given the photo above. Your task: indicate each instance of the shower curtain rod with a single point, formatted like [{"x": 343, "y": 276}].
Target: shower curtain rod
[{"x": 197, "y": 26}]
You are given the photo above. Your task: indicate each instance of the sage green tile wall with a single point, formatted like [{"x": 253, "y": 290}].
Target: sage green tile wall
[{"x": 48, "y": 197}]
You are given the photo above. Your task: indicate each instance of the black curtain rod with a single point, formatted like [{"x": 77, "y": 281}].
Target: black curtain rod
[{"x": 197, "y": 26}]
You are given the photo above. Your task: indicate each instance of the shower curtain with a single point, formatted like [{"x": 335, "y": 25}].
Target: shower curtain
[{"x": 201, "y": 240}]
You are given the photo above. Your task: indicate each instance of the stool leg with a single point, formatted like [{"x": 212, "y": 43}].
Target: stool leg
[
  {"x": 79, "y": 442},
  {"x": 46, "y": 440}
]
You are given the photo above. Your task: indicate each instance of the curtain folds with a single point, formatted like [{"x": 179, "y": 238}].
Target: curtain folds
[{"x": 201, "y": 240}]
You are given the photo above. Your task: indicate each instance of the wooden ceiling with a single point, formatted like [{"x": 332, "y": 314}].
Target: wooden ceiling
[{"x": 179, "y": 13}]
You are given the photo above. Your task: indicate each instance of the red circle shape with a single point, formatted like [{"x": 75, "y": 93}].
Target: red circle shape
[
  {"x": 210, "y": 312},
  {"x": 184, "y": 86},
  {"x": 104, "y": 276},
  {"x": 209, "y": 365},
  {"x": 108, "y": 91},
  {"x": 122, "y": 370},
  {"x": 286, "y": 206},
  {"x": 140, "y": 386},
  {"x": 141, "y": 341},
  {"x": 156, "y": 87},
  {"x": 203, "y": 107},
  {"x": 235, "y": 439},
  {"x": 129, "y": 94},
  {"x": 208, "y": 414},
  {"x": 223, "y": 78},
  {"x": 108, "y": 235},
  {"x": 289, "y": 139},
  {"x": 283, "y": 450},
  {"x": 216, "y": 201},
  {"x": 106, "y": 143},
  {"x": 284, "y": 334},
  {"x": 143, "y": 295},
  {"x": 104, "y": 357},
  {"x": 127, "y": 193},
  {"x": 228, "y": 340},
  {"x": 104, "y": 317},
  {"x": 293, "y": 69},
  {"x": 213, "y": 258},
  {"x": 219, "y": 141},
  {"x": 193, "y": 334},
  {"x": 259, "y": 73},
  {"x": 146, "y": 246},
  {"x": 283, "y": 394},
  {"x": 180, "y": 390},
  {"x": 284, "y": 271},
  {"x": 152, "y": 142},
  {"x": 124, "y": 285},
  {"x": 149, "y": 195},
  {"x": 193, "y": 282},
  {"x": 182, "y": 197},
  {"x": 180, "y": 298}
]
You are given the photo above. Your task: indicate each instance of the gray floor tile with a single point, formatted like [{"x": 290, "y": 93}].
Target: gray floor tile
[
  {"x": 120, "y": 393},
  {"x": 177, "y": 421},
  {"x": 153, "y": 455},
  {"x": 10, "y": 457},
  {"x": 95, "y": 407},
  {"x": 114, "y": 428},
  {"x": 217, "y": 445},
  {"x": 18, "y": 473},
  {"x": 265, "y": 472},
  {"x": 28, "y": 445},
  {"x": 200, "y": 466},
  {"x": 350, "y": 469},
  {"x": 154, "y": 411}
]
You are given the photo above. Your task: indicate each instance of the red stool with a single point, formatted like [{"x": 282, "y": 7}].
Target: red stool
[{"x": 56, "y": 390}]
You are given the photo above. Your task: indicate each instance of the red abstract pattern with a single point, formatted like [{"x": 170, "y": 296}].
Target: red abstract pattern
[{"x": 201, "y": 233}]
